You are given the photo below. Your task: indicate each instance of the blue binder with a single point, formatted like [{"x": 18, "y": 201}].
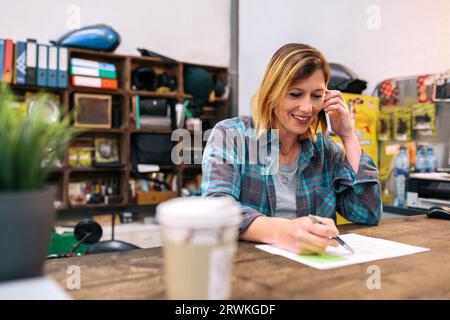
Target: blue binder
[
  {"x": 42, "y": 65},
  {"x": 52, "y": 79},
  {"x": 21, "y": 62},
  {"x": 2, "y": 57},
  {"x": 63, "y": 61}
]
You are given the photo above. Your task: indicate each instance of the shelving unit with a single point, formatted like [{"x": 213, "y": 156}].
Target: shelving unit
[{"x": 61, "y": 177}]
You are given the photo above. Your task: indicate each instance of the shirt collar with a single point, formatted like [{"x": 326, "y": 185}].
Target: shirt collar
[{"x": 308, "y": 151}]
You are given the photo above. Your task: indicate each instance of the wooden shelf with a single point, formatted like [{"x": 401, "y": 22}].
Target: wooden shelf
[
  {"x": 218, "y": 100},
  {"x": 190, "y": 166},
  {"x": 28, "y": 87},
  {"x": 186, "y": 96},
  {"x": 95, "y": 169},
  {"x": 165, "y": 166},
  {"x": 152, "y": 130},
  {"x": 96, "y": 206},
  {"x": 144, "y": 93},
  {"x": 122, "y": 98},
  {"x": 95, "y": 90},
  {"x": 101, "y": 130},
  {"x": 207, "y": 117},
  {"x": 99, "y": 209},
  {"x": 96, "y": 54}
]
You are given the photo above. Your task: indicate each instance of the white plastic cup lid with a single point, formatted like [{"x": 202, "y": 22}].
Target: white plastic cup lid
[{"x": 199, "y": 212}]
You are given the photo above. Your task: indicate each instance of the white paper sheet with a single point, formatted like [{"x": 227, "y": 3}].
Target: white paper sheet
[
  {"x": 366, "y": 249},
  {"x": 40, "y": 288}
]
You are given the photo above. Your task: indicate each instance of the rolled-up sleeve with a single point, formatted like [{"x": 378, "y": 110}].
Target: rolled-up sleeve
[
  {"x": 358, "y": 193},
  {"x": 221, "y": 173}
]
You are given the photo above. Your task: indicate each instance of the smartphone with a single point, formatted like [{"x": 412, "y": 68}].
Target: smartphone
[{"x": 327, "y": 119}]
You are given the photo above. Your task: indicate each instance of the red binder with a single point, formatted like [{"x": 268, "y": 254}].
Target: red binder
[
  {"x": 109, "y": 83},
  {"x": 94, "y": 82},
  {"x": 9, "y": 59}
]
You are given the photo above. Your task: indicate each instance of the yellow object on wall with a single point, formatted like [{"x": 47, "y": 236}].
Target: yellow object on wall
[{"x": 364, "y": 112}]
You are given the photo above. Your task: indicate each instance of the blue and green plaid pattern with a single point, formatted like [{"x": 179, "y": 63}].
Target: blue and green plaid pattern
[{"x": 326, "y": 181}]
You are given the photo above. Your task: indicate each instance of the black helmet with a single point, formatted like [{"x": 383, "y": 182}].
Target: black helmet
[
  {"x": 345, "y": 80},
  {"x": 166, "y": 80},
  {"x": 144, "y": 78}
]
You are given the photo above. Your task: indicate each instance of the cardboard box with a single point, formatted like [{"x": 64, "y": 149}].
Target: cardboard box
[{"x": 153, "y": 197}]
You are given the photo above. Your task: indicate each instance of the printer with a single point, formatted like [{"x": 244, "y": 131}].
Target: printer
[{"x": 426, "y": 190}]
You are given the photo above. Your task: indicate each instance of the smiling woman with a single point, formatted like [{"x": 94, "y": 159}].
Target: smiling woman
[
  {"x": 284, "y": 85},
  {"x": 315, "y": 175},
  {"x": 309, "y": 95}
]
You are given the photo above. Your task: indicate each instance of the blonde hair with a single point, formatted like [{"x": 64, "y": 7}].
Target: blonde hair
[{"x": 292, "y": 62}]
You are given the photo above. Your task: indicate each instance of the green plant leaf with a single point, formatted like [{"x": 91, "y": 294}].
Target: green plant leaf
[{"x": 29, "y": 145}]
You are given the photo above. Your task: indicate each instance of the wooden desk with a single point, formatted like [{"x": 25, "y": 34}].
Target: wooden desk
[{"x": 258, "y": 275}]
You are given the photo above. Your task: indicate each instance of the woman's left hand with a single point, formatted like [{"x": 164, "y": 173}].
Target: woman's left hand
[{"x": 339, "y": 113}]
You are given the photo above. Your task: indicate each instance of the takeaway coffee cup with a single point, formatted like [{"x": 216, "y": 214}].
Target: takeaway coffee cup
[{"x": 199, "y": 241}]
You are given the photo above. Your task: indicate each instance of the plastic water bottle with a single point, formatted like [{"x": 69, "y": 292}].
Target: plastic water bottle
[
  {"x": 420, "y": 165},
  {"x": 430, "y": 161},
  {"x": 401, "y": 172}
]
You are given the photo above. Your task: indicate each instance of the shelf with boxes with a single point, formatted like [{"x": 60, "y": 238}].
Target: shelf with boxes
[
  {"x": 96, "y": 188},
  {"x": 99, "y": 111},
  {"x": 100, "y": 93},
  {"x": 210, "y": 102},
  {"x": 92, "y": 71},
  {"x": 28, "y": 96},
  {"x": 154, "y": 188},
  {"x": 97, "y": 171},
  {"x": 154, "y": 113},
  {"x": 151, "y": 76},
  {"x": 413, "y": 115},
  {"x": 98, "y": 150},
  {"x": 154, "y": 89}
]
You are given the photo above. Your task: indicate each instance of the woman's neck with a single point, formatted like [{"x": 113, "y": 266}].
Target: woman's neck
[{"x": 290, "y": 146}]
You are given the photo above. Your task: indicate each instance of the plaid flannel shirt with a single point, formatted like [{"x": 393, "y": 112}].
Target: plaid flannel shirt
[{"x": 326, "y": 180}]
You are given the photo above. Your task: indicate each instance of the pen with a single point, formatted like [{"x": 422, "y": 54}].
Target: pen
[{"x": 341, "y": 242}]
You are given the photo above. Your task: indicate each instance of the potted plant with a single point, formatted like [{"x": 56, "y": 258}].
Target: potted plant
[{"x": 29, "y": 144}]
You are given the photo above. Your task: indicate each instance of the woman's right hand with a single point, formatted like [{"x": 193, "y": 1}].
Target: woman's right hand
[{"x": 302, "y": 236}]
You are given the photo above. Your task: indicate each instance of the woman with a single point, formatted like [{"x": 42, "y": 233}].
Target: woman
[{"x": 314, "y": 176}]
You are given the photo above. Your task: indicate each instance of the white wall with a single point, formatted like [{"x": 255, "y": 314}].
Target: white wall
[
  {"x": 413, "y": 37},
  {"x": 188, "y": 30}
]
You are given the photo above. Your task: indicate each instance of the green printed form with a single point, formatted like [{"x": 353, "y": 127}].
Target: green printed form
[{"x": 322, "y": 258}]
